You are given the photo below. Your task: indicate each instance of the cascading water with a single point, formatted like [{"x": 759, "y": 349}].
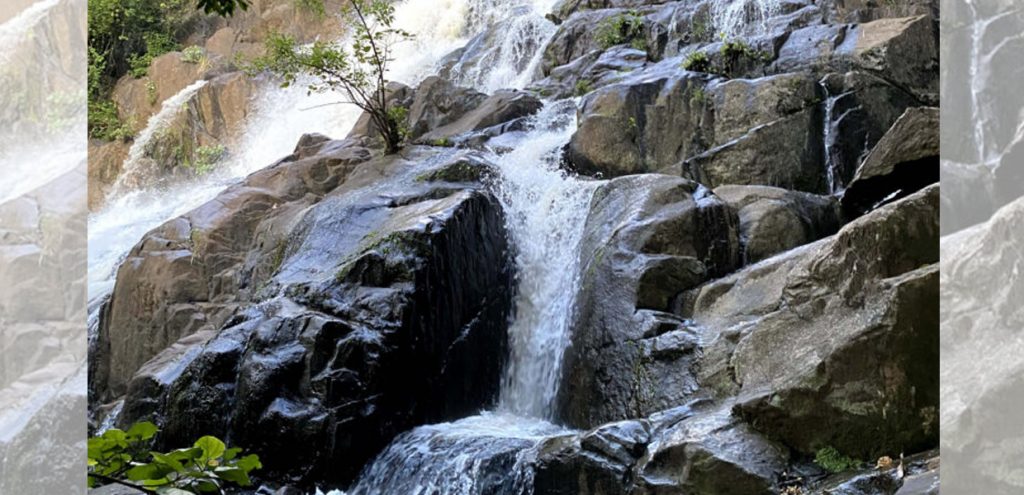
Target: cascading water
[
  {"x": 733, "y": 17},
  {"x": 546, "y": 209},
  {"x": 134, "y": 171},
  {"x": 830, "y": 122}
]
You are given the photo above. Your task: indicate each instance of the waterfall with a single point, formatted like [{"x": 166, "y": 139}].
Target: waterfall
[
  {"x": 733, "y": 17},
  {"x": 134, "y": 171},
  {"x": 830, "y": 122},
  {"x": 546, "y": 209}
]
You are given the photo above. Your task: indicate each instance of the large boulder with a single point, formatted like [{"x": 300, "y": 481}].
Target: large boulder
[
  {"x": 314, "y": 345},
  {"x": 676, "y": 451},
  {"x": 835, "y": 343},
  {"x": 712, "y": 453},
  {"x": 774, "y": 220},
  {"x": 905, "y": 160},
  {"x": 647, "y": 239},
  {"x": 712, "y": 130},
  {"x": 185, "y": 275},
  {"x": 641, "y": 125},
  {"x": 751, "y": 117}
]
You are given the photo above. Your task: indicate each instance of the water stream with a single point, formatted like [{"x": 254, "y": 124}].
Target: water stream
[{"x": 545, "y": 209}]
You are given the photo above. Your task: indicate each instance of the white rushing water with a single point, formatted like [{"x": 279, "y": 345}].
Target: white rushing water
[
  {"x": 279, "y": 117},
  {"x": 733, "y": 17},
  {"x": 546, "y": 209}
]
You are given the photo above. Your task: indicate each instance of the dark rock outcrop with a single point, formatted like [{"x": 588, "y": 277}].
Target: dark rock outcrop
[
  {"x": 833, "y": 344},
  {"x": 312, "y": 345},
  {"x": 905, "y": 160},
  {"x": 647, "y": 239},
  {"x": 774, "y": 220}
]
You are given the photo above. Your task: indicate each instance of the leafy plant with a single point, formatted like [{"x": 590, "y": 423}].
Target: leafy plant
[
  {"x": 359, "y": 71},
  {"x": 156, "y": 44},
  {"x": 621, "y": 29},
  {"x": 223, "y": 7},
  {"x": 123, "y": 458},
  {"x": 151, "y": 94},
  {"x": 833, "y": 461},
  {"x": 583, "y": 86},
  {"x": 205, "y": 158},
  {"x": 697, "y": 62},
  {"x": 316, "y": 7},
  {"x": 104, "y": 122},
  {"x": 193, "y": 55}
]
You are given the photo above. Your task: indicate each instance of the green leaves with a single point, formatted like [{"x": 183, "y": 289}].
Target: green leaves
[
  {"x": 206, "y": 467},
  {"x": 358, "y": 70},
  {"x": 223, "y": 7}
]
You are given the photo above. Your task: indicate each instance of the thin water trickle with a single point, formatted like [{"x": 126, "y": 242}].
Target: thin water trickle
[{"x": 829, "y": 129}]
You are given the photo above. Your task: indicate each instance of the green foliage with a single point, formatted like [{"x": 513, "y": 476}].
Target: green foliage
[
  {"x": 193, "y": 55},
  {"x": 737, "y": 52},
  {"x": 697, "y": 62},
  {"x": 223, "y": 7},
  {"x": 358, "y": 71},
  {"x": 316, "y": 7},
  {"x": 124, "y": 38},
  {"x": 583, "y": 86},
  {"x": 625, "y": 28},
  {"x": 700, "y": 27},
  {"x": 104, "y": 122},
  {"x": 205, "y": 158},
  {"x": 832, "y": 461},
  {"x": 151, "y": 93},
  {"x": 125, "y": 458}
]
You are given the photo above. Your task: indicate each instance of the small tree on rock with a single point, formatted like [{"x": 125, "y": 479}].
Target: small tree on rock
[{"x": 358, "y": 71}]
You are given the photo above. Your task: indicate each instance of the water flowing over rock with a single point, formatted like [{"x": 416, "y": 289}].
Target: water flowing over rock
[
  {"x": 647, "y": 239},
  {"x": 589, "y": 271},
  {"x": 333, "y": 343}
]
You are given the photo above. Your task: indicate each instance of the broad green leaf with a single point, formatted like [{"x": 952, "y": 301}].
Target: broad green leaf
[
  {"x": 212, "y": 447},
  {"x": 150, "y": 471},
  {"x": 231, "y": 453},
  {"x": 249, "y": 463},
  {"x": 143, "y": 431},
  {"x": 170, "y": 461},
  {"x": 233, "y": 474}
]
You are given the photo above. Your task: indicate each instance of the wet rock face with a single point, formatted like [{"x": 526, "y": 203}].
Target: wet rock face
[
  {"x": 647, "y": 239},
  {"x": 330, "y": 343},
  {"x": 905, "y": 160},
  {"x": 832, "y": 341},
  {"x": 774, "y": 220}
]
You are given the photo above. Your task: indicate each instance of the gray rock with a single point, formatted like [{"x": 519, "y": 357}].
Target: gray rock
[
  {"x": 710, "y": 453},
  {"x": 647, "y": 239},
  {"x": 774, "y": 220},
  {"x": 904, "y": 160},
  {"x": 832, "y": 344},
  {"x": 334, "y": 346}
]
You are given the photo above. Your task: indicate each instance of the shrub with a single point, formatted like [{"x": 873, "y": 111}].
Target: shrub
[
  {"x": 622, "y": 29},
  {"x": 697, "y": 62},
  {"x": 832, "y": 461},
  {"x": 104, "y": 122},
  {"x": 205, "y": 158},
  {"x": 124, "y": 458},
  {"x": 315, "y": 7},
  {"x": 193, "y": 55},
  {"x": 583, "y": 86},
  {"x": 360, "y": 71}
]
